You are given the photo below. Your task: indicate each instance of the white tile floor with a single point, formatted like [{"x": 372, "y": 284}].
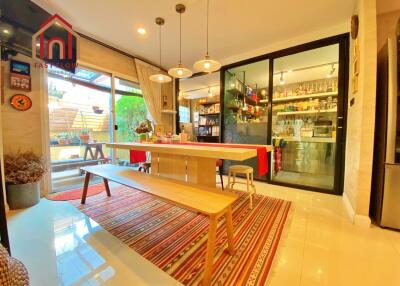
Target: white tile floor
[{"x": 61, "y": 246}]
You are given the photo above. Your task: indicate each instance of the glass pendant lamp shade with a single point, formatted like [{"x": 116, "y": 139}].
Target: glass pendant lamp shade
[
  {"x": 159, "y": 77},
  {"x": 207, "y": 64},
  {"x": 180, "y": 71}
]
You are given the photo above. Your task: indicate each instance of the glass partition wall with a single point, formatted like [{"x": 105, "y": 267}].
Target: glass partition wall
[
  {"x": 246, "y": 107},
  {"x": 295, "y": 100}
]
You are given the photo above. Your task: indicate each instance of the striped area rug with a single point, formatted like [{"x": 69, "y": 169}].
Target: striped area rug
[{"x": 175, "y": 239}]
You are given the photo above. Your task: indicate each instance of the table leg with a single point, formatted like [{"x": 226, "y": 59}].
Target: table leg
[
  {"x": 101, "y": 152},
  {"x": 201, "y": 171},
  {"x": 96, "y": 153},
  {"x": 107, "y": 187},
  {"x": 91, "y": 153},
  {"x": 85, "y": 154},
  {"x": 229, "y": 230},
  {"x": 212, "y": 236},
  {"x": 85, "y": 187}
]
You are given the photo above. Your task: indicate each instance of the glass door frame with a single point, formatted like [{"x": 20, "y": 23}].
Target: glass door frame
[{"x": 343, "y": 75}]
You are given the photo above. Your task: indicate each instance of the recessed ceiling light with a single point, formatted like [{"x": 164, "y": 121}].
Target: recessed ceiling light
[
  {"x": 5, "y": 31},
  {"x": 141, "y": 31}
]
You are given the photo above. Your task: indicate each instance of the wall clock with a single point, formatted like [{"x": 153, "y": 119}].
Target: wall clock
[{"x": 21, "y": 102}]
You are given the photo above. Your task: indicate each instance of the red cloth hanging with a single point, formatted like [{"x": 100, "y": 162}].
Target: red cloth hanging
[{"x": 137, "y": 156}]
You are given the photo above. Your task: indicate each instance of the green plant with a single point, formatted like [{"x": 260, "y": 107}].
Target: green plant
[
  {"x": 23, "y": 168},
  {"x": 84, "y": 132}
]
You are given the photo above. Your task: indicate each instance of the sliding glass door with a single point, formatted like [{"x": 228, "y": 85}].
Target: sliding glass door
[
  {"x": 304, "y": 118},
  {"x": 79, "y": 123}
]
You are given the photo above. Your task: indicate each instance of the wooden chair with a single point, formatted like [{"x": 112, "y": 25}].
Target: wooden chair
[{"x": 246, "y": 170}]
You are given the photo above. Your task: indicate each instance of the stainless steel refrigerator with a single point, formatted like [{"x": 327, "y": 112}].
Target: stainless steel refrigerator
[{"x": 385, "y": 196}]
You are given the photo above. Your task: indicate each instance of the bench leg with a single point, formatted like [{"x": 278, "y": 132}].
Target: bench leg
[
  {"x": 85, "y": 187},
  {"x": 107, "y": 187},
  {"x": 212, "y": 235},
  {"x": 229, "y": 230}
]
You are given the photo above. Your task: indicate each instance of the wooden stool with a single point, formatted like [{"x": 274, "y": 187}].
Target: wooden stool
[{"x": 248, "y": 171}]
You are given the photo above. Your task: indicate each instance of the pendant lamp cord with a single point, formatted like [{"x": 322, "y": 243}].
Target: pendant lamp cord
[
  {"x": 180, "y": 38},
  {"x": 208, "y": 2},
  {"x": 160, "y": 46}
]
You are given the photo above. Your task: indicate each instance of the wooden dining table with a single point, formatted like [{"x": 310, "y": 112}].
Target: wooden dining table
[{"x": 190, "y": 163}]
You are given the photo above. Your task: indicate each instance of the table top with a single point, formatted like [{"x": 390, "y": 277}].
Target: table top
[{"x": 237, "y": 154}]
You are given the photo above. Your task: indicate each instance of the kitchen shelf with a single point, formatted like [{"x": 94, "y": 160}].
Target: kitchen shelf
[
  {"x": 314, "y": 95},
  {"x": 306, "y": 112},
  {"x": 209, "y": 103}
]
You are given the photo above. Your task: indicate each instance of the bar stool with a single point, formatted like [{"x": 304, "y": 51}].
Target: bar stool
[
  {"x": 246, "y": 170},
  {"x": 219, "y": 163}
]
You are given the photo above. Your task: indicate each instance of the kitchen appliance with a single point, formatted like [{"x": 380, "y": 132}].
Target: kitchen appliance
[{"x": 385, "y": 195}]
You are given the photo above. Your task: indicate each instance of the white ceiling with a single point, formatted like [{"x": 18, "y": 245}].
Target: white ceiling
[{"x": 235, "y": 25}]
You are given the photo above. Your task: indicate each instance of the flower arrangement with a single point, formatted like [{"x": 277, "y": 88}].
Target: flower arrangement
[
  {"x": 143, "y": 127},
  {"x": 23, "y": 168}
]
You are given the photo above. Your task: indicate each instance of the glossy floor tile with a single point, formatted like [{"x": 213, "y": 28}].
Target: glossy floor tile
[
  {"x": 320, "y": 246},
  {"x": 61, "y": 246}
]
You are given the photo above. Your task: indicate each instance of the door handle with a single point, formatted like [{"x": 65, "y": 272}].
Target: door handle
[{"x": 115, "y": 127}]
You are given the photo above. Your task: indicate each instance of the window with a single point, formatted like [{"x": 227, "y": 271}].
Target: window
[{"x": 184, "y": 114}]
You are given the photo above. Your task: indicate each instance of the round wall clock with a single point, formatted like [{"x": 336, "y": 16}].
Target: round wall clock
[{"x": 21, "y": 102}]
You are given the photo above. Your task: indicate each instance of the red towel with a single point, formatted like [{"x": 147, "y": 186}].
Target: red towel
[
  {"x": 137, "y": 156},
  {"x": 262, "y": 163}
]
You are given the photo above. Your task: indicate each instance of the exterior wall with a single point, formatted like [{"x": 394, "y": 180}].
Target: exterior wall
[{"x": 361, "y": 116}]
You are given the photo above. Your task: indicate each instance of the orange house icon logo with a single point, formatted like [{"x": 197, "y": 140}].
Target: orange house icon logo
[{"x": 56, "y": 44}]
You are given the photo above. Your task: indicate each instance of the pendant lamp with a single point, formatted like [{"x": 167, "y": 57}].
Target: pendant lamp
[
  {"x": 159, "y": 77},
  {"x": 180, "y": 71},
  {"x": 207, "y": 64}
]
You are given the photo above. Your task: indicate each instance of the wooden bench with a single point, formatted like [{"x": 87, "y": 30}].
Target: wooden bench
[
  {"x": 65, "y": 165},
  {"x": 208, "y": 201}
]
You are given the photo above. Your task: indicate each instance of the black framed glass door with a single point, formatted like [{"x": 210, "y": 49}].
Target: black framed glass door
[{"x": 305, "y": 101}]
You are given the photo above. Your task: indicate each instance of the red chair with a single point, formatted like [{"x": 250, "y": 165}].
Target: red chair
[{"x": 219, "y": 163}]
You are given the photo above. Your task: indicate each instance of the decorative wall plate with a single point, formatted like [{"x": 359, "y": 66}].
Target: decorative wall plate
[{"x": 21, "y": 102}]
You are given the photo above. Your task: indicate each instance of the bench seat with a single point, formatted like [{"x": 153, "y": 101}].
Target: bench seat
[{"x": 206, "y": 200}]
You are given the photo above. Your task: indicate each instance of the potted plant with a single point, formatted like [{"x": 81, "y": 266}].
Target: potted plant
[
  {"x": 84, "y": 136},
  {"x": 143, "y": 130},
  {"x": 23, "y": 171}
]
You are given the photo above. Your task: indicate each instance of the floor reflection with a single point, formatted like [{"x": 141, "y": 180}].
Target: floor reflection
[{"x": 77, "y": 262}]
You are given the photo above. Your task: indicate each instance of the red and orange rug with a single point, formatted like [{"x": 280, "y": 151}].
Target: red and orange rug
[{"x": 175, "y": 239}]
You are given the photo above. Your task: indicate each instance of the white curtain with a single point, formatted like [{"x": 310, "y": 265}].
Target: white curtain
[{"x": 151, "y": 90}]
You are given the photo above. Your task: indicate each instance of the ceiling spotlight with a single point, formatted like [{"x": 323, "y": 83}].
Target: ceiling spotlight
[
  {"x": 141, "y": 31},
  {"x": 332, "y": 71},
  {"x": 5, "y": 31},
  {"x": 281, "y": 79},
  {"x": 210, "y": 94},
  {"x": 290, "y": 71}
]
